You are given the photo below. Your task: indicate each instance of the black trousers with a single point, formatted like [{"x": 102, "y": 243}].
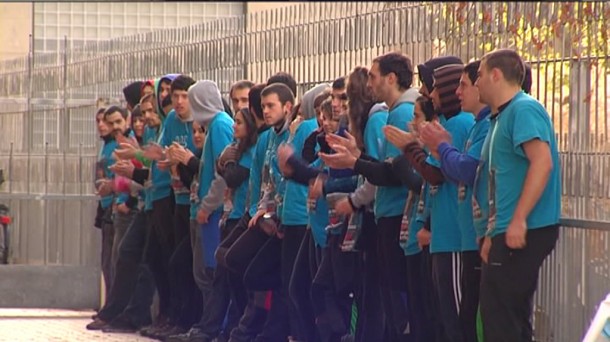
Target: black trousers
[
  {"x": 371, "y": 316},
  {"x": 392, "y": 267},
  {"x": 471, "y": 283},
  {"x": 508, "y": 283},
  {"x": 420, "y": 297},
  {"x": 282, "y": 319},
  {"x": 134, "y": 287},
  {"x": 159, "y": 248},
  {"x": 107, "y": 241},
  {"x": 446, "y": 277},
  {"x": 305, "y": 269}
]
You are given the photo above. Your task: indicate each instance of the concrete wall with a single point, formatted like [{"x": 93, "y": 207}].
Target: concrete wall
[{"x": 15, "y": 27}]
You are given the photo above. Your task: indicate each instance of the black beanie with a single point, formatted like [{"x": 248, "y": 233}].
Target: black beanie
[
  {"x": 527, "y": 79},
  {"x": 426, "y": 70},
  {"x": 132, "y": 93},
  {"x": 446, "y": 82}
]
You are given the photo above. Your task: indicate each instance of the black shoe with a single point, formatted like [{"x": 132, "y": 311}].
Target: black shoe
[
  {"x": 163, "y": 334},
  {"x": 193, "y": 335},
  {"x": 97, "y": 324},
  {"x": 121, "y": 324}
]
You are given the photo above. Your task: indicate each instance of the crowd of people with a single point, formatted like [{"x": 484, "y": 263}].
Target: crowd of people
[{"x": 366, "y": 210}]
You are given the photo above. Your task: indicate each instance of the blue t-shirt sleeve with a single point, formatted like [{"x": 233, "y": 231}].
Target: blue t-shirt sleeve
[
  {"x": 222, "y": 134},
  {"x": 373, "y": 135},
  {"x": 459, "y": 167},
  {"x": 530, "y": 121}
]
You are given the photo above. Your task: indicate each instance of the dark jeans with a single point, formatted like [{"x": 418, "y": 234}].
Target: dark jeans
[
  {"x": 134, "y": 287},
  {"x": 331, "y": 289},
  {"x": 107, "y": 240},
  {"x": 420, "y": 297},
  {"x": 446, "y": 277},
  {"x": 305, "y": 269},
  {"x": 121, "y": 223},
  {"x": 392, "y": 267},
  {"x": 508, "y": 283},
  {"x": 371, "y": 316},
  {"x": 282, "y": 319},
  {"x": 159, "y": 248},
  {"x": 471, "y": 283},
  {"x": 227, "y": 291},
  {"x": 185, "y": 307}
]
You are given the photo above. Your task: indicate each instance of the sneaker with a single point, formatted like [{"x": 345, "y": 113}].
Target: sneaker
[{"x": 97, "y": 324}]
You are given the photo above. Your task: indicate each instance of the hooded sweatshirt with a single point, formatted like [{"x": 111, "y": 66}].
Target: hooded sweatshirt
[
  {"x": 169, "y": 77},
  {"x": 426, "y": 70},
  {"x": 295, "y": 198},
  {"x": 390, "y": 201},
  {"x": 206, "y": 107}
]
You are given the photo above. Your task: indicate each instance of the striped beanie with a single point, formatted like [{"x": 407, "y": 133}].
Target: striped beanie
[
  {"x": 446, "y": 82},
  {"x": 426, "y": 69}
]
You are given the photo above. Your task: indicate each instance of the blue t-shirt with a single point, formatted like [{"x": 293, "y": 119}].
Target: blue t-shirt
[
  {"x": 390, "y": 200},
  {"x": 161, "y": 180},
  {"x": 150, "y": 135},
  {"x": 295, "y": 197},
  {"x": 415, "y": 226},
  {"x": 181, "y": 132},
  {"x": 523, "y": 120},
  {"x": 219, "y": 136},
  {"x": 256, "y": 172},
  {"x": 373, "y": 134},
  {"x": 106, "y": 160},
  {"x": 473, "y": 147},
  {"x": 446, "y": 234},
  {"x": 271, "y": 170},
  {"x": 240, "y": 195}
]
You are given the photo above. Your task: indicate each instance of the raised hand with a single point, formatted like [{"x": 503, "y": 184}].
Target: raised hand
[
  {"x": 398, "y": 137},
  {"x": 341, "y": 159},
  {"x": 349, "y": 142}
]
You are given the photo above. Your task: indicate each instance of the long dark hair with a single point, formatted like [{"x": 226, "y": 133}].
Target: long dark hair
[
  {"x": 251, "y": 134},
  {"x": 360, "y": 102}
]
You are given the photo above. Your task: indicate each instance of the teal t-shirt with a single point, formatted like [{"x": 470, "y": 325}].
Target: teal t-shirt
[
  {"x": 181, "y": 132},
  {"x": 390, "y": 200},
  {"x": 523, "y": 120},
  {"x": 240, "y": 196},
  {"x": 415, "y": 226},
  {"x": 446, "y": 233},
  {"x": 256, "y": 172}
]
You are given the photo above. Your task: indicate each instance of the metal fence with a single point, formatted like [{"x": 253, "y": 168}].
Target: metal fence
[{"x": 48, "y": 142}]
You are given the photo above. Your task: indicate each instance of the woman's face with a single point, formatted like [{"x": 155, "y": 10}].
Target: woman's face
[
  {"x": 240, "y": 131},
  {"x": 138, "y": 127},
  {"x": 198, "y": 135},
  {"x": 331, "y": 123}
]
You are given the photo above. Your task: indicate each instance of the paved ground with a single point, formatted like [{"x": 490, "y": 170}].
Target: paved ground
[{"x": 41, "y": 325}]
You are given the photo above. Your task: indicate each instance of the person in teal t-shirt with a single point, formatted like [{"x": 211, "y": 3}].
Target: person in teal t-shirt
[{"x": 524, "y": 197}]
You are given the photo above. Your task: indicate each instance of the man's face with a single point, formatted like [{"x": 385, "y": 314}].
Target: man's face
[
  {"x": 239, "y": 99},
  {"x": 339, "y": 101},
  {"x": 116, "y": 123},
  {"x": 377, "y": 83},
  {"x": 484, "y": 83},
  {"x": 102, "y": 127},
  {"x": 180, "y": 101},
  {"x": 273, "y": 111},
  {"x": 468, "y": 94},
  {"x": 165, "y": 89},
  {"x": 150, "y": 115}
]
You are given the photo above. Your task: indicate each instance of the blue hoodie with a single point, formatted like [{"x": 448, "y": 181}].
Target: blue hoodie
[
  {"x": 390, "y": 201},
  {"x": 241, "y": 194},
  {"x": 294, "y": 211},
  {"x": 256, "y": 172},
  {"x": 106, "y": 160}
]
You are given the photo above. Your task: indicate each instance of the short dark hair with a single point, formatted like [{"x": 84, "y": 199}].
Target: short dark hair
[
  {"x": 243, "y": 84},
  {"x": 181, "y": 82},
  {"x": 527, "y": 79},
  {"x": 112, "y": 109},
  {"x": 399, "y": 64},
  {"x": 281, "y": 90},
  {"x": 327, "y": 106},
  {"x": 509, "y": 62},
  {"x": 100, "y": 110},
  {"x": 325, "y": 94},
  {"x": 339, "y": 83},
  {"x": 427, "y": 107},
  {"x": 254, "y": 100},
  {"x": 285, "y": 78},
  {"x": 472, "y": 70}
]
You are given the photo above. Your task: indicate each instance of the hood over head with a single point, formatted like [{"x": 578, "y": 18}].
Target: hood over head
[
  {"x": 446, "y": 82},
  {"x": 157, "y": 86},
  {"x": 132, "y": 93},
  {"x": 205, "y": 101},
  {"x": 308, "y": 98},
  {"x": 426, "y": 70}
]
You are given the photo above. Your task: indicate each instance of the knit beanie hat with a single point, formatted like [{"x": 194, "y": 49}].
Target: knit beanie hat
[
  {"x": 426, "y": 70},
  {"x": 446, "y": 82}
]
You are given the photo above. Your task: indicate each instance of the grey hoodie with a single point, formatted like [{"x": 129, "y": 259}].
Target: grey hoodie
[
  {"x": 205, "y": 101},
  {"x": 308, "y": 99},
  {"x": 408, "y": 96}
]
